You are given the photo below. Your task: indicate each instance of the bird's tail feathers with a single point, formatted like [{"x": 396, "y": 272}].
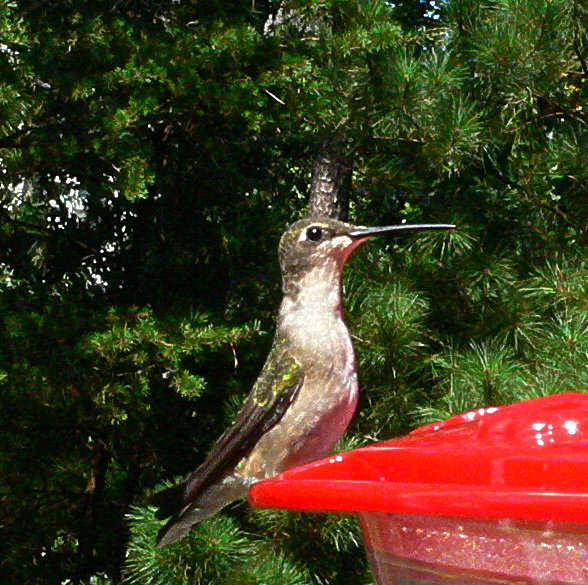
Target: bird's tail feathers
[
  {"x": 208, "y": 504},
  {"x": 180, "y": 526}
]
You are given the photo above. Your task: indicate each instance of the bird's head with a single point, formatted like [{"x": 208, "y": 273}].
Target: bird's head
[{"x": 318, "y": 242}]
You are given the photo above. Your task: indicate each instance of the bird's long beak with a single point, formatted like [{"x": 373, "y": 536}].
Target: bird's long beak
[{"x": 361, "y": 232}]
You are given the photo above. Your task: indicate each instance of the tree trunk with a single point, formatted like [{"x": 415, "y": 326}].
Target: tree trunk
[
  {"x": 94, "y": 499},
  {"x": 331, "y": 179},
  {"x": 331, "y": 176}
]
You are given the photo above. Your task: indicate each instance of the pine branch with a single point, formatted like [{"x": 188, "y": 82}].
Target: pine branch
[
  {"x": 577, "y": 42},
  {"x": 523, "y": 194}
]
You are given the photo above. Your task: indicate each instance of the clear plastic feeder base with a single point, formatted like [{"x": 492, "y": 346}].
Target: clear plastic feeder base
[{"x": 412, "y": 549}]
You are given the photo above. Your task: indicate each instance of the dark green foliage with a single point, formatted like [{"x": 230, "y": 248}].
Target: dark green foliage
[
  {"x": 226, "y": 553},
  {"x": 151, "y": 153}
]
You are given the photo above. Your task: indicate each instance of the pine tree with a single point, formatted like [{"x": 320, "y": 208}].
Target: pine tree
[{"x": 151, "y": 155}]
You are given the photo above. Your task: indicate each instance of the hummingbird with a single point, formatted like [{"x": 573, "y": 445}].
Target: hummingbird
[{"x": 307, "y": 391}]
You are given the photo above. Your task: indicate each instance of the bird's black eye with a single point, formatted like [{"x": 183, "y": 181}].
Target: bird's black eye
[{"x": 314, "y": 233}]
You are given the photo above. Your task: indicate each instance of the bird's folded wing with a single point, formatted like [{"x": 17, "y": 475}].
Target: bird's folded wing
[{"x": 274, "y": 391}]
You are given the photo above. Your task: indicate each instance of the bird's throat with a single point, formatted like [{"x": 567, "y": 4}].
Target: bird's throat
[{"x": 317, "y": 293}]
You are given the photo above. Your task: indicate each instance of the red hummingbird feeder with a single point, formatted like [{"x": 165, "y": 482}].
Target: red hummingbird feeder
[{"x": 494, "y": 496}]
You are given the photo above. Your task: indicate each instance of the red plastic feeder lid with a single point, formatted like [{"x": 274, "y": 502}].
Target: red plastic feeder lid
[{"x": 527, "y": 460}]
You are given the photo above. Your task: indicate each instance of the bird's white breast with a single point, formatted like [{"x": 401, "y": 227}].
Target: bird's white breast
[
  {"x": 316, "y": 336},
  {"x": 327, "y": 400}
]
